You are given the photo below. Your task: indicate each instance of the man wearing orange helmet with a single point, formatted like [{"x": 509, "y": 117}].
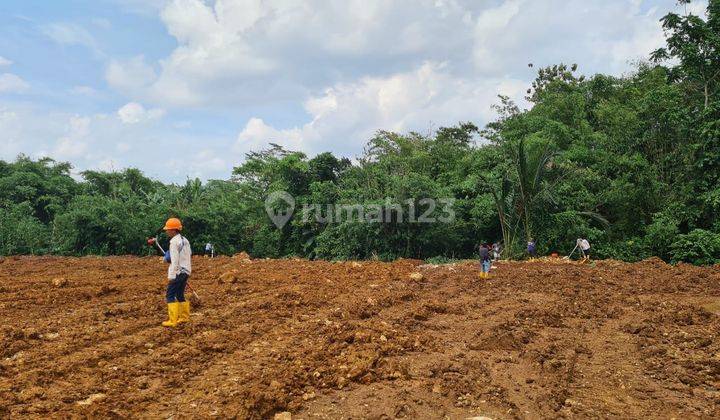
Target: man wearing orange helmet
[{"x": 178, "y": 273}]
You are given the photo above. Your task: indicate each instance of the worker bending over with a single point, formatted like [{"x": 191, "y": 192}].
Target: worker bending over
[
  {"x": 209, "y": 250},
  {"x": 178, "y": 273},
  {"x": 584, "y": 246}
]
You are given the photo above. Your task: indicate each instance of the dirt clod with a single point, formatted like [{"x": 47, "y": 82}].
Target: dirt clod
[
  {"x": 59, "y": 282},
  {"x": 230, "y": 277},
  {"x": 242, "y": 256},
  {"x": 91, "y": 399}
]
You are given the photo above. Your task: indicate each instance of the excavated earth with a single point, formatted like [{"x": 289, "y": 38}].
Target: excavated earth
[{"x": 81, "y": 337}]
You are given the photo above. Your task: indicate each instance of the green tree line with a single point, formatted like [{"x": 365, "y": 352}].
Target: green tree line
[{"x": 632, "y": 163}]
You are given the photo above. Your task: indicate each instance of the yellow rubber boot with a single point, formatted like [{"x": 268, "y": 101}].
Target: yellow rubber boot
[
  {"x": 184, "y": 315},
  {"x": 173, "y": 311}
]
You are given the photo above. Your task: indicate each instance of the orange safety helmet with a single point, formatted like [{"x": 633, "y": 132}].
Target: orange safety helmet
[{"x": 173, "y": 223}]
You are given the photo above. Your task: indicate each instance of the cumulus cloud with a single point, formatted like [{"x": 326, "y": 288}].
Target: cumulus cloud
[
  {"x": 102, "y": 141},
  {"x": 9, "y": 124},
  {"x": 245, "y": 52},
  {"x": 241, "y": 52},
  {"x": 203, "y": 162},
  {"x": 133, "y": 113},
  {"x": 316, "y": 75},
  {"x": 75, "y": 141},
  {"x": 345, "y": 116},
  {"x": 602, "y": 36},
  {"x": 131, "y": 76},
  {"x": 257, "y": 134},
  {"x": 11, "y": 83},
  {"x": 4, "y": 62}
]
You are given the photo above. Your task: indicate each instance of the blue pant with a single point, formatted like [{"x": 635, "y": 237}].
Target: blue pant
[
  {"x": 485, "y": 266},
  {"x": 176, "y": 289}
]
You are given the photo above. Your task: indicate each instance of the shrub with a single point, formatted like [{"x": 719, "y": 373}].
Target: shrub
[
  {"x": 21, "y": 232},
  {"x": 660, "y": 235},
  {"x": 699, "y": 247},
  {"x": 631, "y": 250}
]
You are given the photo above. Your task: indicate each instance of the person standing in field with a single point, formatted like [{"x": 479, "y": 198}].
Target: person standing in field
[
  {"x": 584, "y": 246},
  {"x": 179, "y": 271},
  {"x": 531, "y": 249},
  {"x": 209, "y": 250},
  {"x": 484, "y": 261},
  {"x": 496, "y": 250}
]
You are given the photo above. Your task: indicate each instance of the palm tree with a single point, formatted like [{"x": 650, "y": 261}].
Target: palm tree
[
  {"x": 522, "y": 187},
  {"x": 503, "y": 204},
  {"x": 532, "y": 168}
]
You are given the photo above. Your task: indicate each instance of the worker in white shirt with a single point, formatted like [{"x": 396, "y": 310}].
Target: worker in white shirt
[
  {"x": 584, "y": 246},
  {"x": 179, "y": 271},
  {"x": 209, "y": 250}
]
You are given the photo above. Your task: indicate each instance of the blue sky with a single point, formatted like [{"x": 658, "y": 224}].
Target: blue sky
[{"x": 184, "y": 88}]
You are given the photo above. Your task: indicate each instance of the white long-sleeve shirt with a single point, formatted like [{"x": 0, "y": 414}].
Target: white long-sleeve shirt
[
  {"x": 180, "y": 257},
  {"x": 584, "y": 244}
]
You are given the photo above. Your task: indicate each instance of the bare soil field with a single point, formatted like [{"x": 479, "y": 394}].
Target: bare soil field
[{"x": 81, "y": 337}]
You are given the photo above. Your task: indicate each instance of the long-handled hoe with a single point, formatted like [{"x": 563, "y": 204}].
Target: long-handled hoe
[
  {"x": 571, "y": 252},
  {"x": 154, "y": 241}
]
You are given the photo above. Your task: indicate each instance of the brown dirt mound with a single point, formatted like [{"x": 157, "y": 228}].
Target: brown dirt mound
[{"x": 362, "y": 340}]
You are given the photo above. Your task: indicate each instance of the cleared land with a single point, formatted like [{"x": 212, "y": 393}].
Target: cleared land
[{"x": 82, "y": 337}]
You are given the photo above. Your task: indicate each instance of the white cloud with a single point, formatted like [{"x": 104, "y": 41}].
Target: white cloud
[
  {"x": 100, "y": 141},
  {"x": 601, "y": 36},
  {"x": 133, "y": 113},
  {"x": 256, "y": 135},
  {"x": 8, "y": 126},
  {"x": 246, "y": 52},
  {"x": 697, "y": 8},
  {"x": 131, "y": 76},
  {"x": 493, "y": 23},
  {"x": 11, "y": 83},
  {"x": 65, "y": 33},
  {"x": 4, "y": 62},
  {"x": 108, "y": 165},
  {"x": 203, "y": 162},
  {"x": 345, "y": 116},
  {"x": 74, "y": 143},
  {"x": 235, "y": 52},
  {"x": 338, "y": 70}
]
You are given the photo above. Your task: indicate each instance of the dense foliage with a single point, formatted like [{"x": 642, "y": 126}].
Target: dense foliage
[{"x": 632, "y": 163}]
